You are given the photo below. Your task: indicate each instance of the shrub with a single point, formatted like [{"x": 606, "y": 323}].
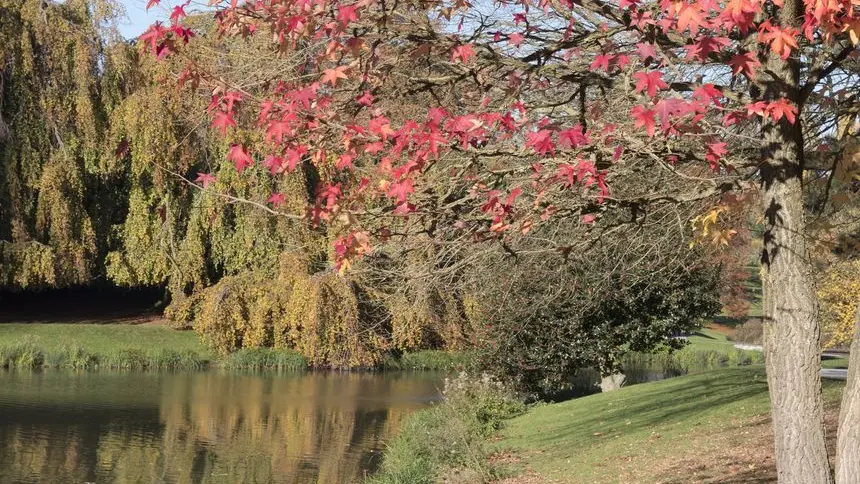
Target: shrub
[{"x": 450, "y": 438}]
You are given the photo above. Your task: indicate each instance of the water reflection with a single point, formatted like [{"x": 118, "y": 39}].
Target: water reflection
[{"x": 206, "y": 427}]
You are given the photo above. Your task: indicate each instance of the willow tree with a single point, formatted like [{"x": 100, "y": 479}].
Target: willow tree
[{"x": 57, "y": 199}]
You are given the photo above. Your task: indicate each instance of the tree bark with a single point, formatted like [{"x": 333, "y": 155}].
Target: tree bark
[
  {"x": 790, "y": 306},
  {"x": 848, "y": 440}
]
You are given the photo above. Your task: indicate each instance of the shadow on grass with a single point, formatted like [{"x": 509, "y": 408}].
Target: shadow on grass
[{"x": 682, "y": 402}]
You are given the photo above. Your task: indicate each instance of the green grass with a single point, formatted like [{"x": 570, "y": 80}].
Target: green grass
[
  {"x": 103, "y": 338},
  {"x": 83, "y": 346},
  {"x": 835, "y": 363},
  {"x": 622, "y": 435},
  {"x": 708, "y": 339}
]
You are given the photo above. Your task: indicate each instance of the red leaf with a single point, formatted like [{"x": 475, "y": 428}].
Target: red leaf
[
  {"x": 205, "y": 179},
  {"x": 646, "y": 51},
  {"x": 643, "y": 118},
  {"x": 347, "y": 14},
  {"x": 332, "y": 75},
  {"x": 601, "y": 61},
  {"x": 541, "y": 141},
  {"x": 650, "y": 82},
  {"x": 177, "y": 14},
  {"x": 365, "y": 99},
  {"x": 239, "y": 156},
  {"x": 152, "y": 3},
  {"x": 782, "y": 107},
  {"x": 516, "y": 39},
  {"x": 223, "y": 120},
  {"x": 744, "y": 64},
  {"x": 401, "y": 190},
  {"x": 463, "y": 52},
  {"x": 277, "y": 199},
  {"x": 275, "y": 164},
  {"x": 690, "y": 16},
  {"x": 781, "y": 41}
]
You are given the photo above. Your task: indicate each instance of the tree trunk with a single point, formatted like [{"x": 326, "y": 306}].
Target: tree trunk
[
  {"x": 790, "y": 306},
  {"x": 848, "y": 441}
]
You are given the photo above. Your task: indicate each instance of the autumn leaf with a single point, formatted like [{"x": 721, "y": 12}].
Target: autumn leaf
[
  {"x": 649, "y": 82},
  {"x": 463, "y": 52},
  {"x": 541, "y": 142},
  {"x": 516, "y": 39},
  {"x": 744, "y": 64},
  {"x": 240, "y": 158},
  {"x": 780, "y": 108},
  {"x": 277, "y": 199},
  {"x": 222, "y": 121},
  {"x": 400, "y": 190},
  {"x": 690, "y": 17},
  {"x": 365, "y": 99},
  {"x": 643, "y": 118},
  {"x": 601, "y": 61},
  {"x": 331, "y": 76},
  {"x": 781, "y": 41},
  {"x": 177, "y": 14},
  {"x": 205, "y": 179}
]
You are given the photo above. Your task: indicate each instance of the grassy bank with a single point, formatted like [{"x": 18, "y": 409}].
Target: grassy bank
[
  {"x": 707, "y": 427},
  {"x": 697, "y": 428},
  {"x": 121, "y": 346},
  {"x": 124, "y": 346}
]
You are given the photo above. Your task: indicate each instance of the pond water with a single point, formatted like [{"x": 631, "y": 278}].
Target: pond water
[{"x": 201, "y": 427}]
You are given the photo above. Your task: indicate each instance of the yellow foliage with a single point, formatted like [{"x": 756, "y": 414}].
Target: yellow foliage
[
  {"x": 710, "y": 227},
  {"x": 839, "y": 293}
]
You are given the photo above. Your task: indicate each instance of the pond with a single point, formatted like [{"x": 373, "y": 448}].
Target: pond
[{"x": 201, "y": 427}]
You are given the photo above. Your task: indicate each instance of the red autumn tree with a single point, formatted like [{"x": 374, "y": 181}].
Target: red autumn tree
[{"x": 482, "y": 121}]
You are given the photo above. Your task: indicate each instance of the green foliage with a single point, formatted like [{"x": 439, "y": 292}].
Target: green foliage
[
  {"x": 22, "y": 354},
  {"x": 541, "y": 347},
  {"x": 447, "y": 442},
  {"x": 56, "y": 200}
]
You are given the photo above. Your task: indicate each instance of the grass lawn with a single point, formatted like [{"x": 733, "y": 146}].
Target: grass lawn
[
  {"x": 709, "y": 427},
  {"x": 708, "y": 339},
  {"x": 102, "y": 338}
]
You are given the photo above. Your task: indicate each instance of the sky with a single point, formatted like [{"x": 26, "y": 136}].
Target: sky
[{"x": 138, "y": 19}]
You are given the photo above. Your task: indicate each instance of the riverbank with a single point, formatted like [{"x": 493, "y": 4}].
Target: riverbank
[
  {"x": 696, "y": 428},
  {"x": 157, "y": 347}
]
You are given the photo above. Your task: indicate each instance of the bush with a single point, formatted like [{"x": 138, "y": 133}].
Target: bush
[
  {"x": 751, "y": 332},
  {"x": 449, "y": 439}
]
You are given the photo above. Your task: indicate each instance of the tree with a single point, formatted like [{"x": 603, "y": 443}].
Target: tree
[
  {"x": 532, "y": 110},
  {"x": 53, "y": 105}
]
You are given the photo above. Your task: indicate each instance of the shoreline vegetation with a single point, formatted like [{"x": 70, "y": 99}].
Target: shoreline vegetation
[
  {"x": 699, "y": 427},
  {"x": 156, "y": 347}
]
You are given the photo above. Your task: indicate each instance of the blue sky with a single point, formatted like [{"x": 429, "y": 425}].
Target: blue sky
[{"x": 138, "y": 18}]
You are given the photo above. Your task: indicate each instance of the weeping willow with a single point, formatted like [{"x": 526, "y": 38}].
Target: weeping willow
[
  {"x": 56, "y": 199},
  {"x": 96, "y": 157}
]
